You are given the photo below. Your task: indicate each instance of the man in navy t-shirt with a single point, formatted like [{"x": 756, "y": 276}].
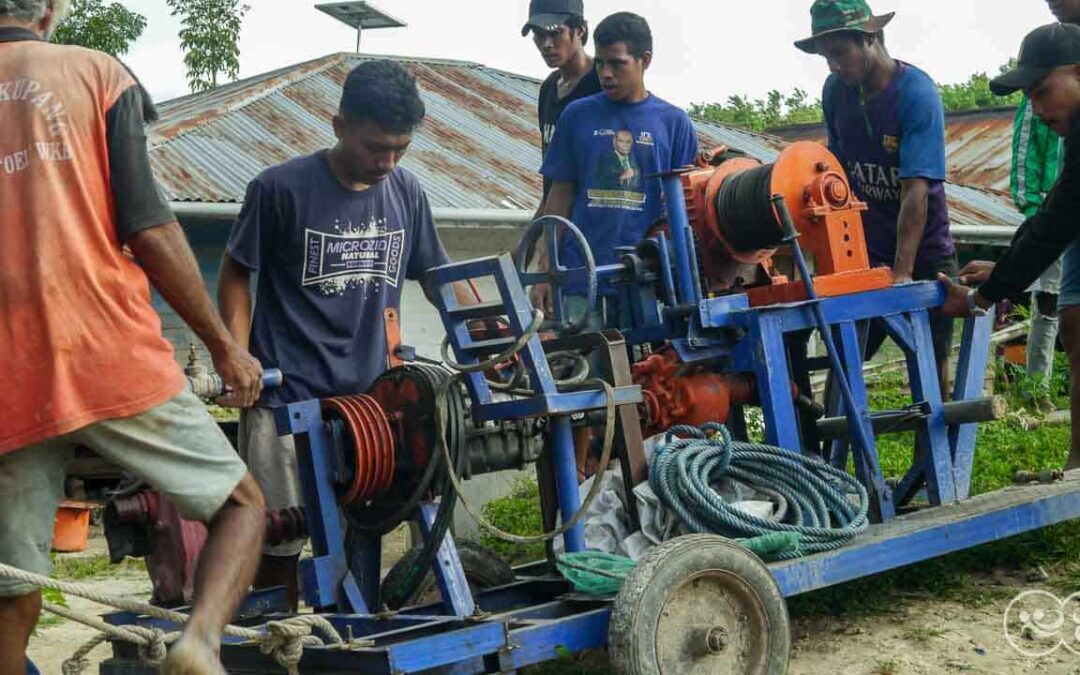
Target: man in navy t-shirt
[
  {"x": 333, "y": 236},
  {"x": 605, "y": 147},
  {"x": 886, "y": 124}
]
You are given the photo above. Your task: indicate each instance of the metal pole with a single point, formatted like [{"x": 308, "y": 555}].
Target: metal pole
[
  {"x": 566, "y": 478},
  {"x": 682, "y": 241},
  {"x": 359, "y": 32}
]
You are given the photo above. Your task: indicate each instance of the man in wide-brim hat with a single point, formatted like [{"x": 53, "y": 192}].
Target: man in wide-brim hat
[{"x": 886, "y": 124}]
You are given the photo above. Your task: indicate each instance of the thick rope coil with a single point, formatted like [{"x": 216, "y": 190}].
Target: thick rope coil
[{"x": 814, "y": 495}]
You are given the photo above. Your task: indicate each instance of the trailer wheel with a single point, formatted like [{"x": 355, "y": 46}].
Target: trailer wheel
[
  {"x": 699, "y": 605},
  {"x": 483, "y": 569}
]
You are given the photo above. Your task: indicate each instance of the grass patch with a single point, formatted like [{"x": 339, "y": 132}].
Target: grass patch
[
  {"x": 885, "y": 668},
  {"x": 47, "y": 619},
  {"x": 923, "y": 634},
  {"x": 517, "y": 513},
  {"x": 77, "y": 568}
]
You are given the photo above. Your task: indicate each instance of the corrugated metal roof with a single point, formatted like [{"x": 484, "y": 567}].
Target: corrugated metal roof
[{"x": 479, "y": 145}]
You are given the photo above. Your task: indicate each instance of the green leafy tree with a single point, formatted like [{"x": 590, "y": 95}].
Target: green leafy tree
[
  {"x": 109, "y": 28},
  {"x": 775, "y": 110},
  {"x": 210, "y": 30},
  {"x": 779, "y": 110}
]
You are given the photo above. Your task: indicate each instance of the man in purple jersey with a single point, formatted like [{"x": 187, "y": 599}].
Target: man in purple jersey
[{"x": 886, "y": 124}]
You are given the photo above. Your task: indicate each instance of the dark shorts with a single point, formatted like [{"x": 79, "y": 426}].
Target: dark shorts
[{"x": 941, "y": 327}]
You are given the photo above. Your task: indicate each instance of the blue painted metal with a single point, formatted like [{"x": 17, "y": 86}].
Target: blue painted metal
[
  {"x": 327, "y": 581},
  {"x": 682, "y": 241},
  {"x": 970, "y": 368},
  {"x": 449, "y": 574},
  {"x": 867, "y": 468},
  {"x": 561, "y": 445},
  {"x": 932, "y": 533}
]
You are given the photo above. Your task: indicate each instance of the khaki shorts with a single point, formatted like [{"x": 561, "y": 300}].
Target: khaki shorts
[
  {"x": 176, "y": 447},
  {"x": 271, "y": 459}
]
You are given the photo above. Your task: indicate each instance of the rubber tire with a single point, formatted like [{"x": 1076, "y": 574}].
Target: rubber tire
[
  {"x": 483, "y": 569},
  {"x": 636, "y": 612}
]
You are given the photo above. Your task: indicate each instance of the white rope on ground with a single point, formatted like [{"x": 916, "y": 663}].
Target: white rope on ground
[{"x": 283, "y": 640}]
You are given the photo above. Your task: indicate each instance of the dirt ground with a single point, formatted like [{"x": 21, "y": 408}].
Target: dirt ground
[{"x": 924, "y": 637}]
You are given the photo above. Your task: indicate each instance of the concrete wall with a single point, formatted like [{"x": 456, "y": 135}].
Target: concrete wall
[{"x": 421, "y": 326}]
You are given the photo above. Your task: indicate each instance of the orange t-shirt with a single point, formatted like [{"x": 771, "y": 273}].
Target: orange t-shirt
[{"x": 79, "y": 340}]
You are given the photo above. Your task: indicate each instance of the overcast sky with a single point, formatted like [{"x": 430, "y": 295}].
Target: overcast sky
[{"x": 705, "y": 50}]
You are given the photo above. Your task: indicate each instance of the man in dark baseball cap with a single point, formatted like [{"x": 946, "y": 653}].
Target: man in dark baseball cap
[
  {"x": 1048, "y": 70},
  {"x": 1043, "y": 50},
  {"x": 550, "y": 14}
]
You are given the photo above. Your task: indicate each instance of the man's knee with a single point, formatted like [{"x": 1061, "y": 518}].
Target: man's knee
[
  {"x": 247, "y": 494},
  {"x": 19, "y": 613}
]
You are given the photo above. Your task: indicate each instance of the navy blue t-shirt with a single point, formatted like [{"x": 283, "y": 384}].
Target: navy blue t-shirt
[
  {"x": 606, "y": 149},
  {"x": 330, "y": 261},
  {"x": 899, "y": 133}
]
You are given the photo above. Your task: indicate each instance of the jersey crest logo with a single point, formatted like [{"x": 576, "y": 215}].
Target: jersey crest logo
[{"x": 891, "y": 144}]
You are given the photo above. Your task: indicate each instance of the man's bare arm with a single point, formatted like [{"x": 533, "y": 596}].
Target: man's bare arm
[
  {"x": 234, "y": 299},
  {"x": 910, "y": 226},
  {"x": 165, "y": 255}
]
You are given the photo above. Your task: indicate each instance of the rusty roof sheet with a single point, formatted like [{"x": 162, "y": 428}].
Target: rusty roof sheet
[{"x": 479, "y": 145}]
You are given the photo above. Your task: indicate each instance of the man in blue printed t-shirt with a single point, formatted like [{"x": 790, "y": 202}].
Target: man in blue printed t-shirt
[
  {"x": 604, "y": 148},
  {"x": 886, "y": 124},
  {"x": 332, "y": 236}
]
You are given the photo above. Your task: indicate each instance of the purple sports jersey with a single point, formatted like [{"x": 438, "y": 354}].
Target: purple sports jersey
[{"x": 900, "y": 133}]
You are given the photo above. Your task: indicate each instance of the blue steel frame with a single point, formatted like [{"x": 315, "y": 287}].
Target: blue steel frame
[{"x": 533, "y": 619}]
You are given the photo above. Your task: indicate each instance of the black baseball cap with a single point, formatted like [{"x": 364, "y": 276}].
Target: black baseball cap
[
  {"x": 1043, "y": 50},
  {"x": 549, "y": 14}
]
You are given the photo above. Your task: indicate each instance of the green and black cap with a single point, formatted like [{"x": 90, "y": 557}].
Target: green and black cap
[
  {"x": 838, "y": 16},
  {"x": 1043, "y": 50}
]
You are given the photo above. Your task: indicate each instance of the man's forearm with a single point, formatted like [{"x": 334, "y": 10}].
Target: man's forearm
[
  {"x": 910, "y": 226},
  {"x": 165, "y": 256},
  {"x": 234, "y": 299}
]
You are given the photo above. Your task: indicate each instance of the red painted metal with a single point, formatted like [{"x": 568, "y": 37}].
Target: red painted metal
[
  {"x": 675, "y": 393},
  {"x": 372, "y": 445}
]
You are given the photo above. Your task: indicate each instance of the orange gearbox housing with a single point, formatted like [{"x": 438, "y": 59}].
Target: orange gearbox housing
[
  {"x": 674, "y": 393},
  {"x": 823, "y": 208}
]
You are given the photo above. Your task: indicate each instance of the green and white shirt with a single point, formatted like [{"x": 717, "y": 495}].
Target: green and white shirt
[{"x": 1036, "y": 160}]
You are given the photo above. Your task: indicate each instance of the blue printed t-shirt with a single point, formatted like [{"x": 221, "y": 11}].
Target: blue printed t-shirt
[
  {"x": 900, "y": 133},
  {"x": 606, "y": 149},
  {"x": 330, "y": 262}
]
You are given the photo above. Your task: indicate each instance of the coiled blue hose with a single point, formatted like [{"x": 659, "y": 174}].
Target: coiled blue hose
[{"x": 813, "y": 497}]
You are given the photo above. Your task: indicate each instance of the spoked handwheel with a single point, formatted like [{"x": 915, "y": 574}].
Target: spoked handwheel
[
  {"x": 700, "y": 605},
  {"x": 558, "y": 275}
]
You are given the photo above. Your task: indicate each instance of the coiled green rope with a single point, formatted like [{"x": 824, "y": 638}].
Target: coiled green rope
[{"x": 813, "y": 497}]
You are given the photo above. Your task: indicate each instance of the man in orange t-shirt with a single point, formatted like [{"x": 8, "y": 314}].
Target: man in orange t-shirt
[{"x": 82, "y": 359}]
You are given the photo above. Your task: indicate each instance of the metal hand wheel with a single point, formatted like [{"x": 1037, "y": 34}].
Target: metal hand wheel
[{"x": 557, "y": 275}]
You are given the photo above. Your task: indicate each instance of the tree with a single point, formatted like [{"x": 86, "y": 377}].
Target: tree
[
  {"x": 209, "y": 33},
  {"x": 778, "y": 110},
  {"x": 108, "y": 28},
  {"x": 773, "y": 111}
]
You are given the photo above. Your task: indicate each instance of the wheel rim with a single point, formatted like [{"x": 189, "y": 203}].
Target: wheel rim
[{"x": 713, "y": 623}]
